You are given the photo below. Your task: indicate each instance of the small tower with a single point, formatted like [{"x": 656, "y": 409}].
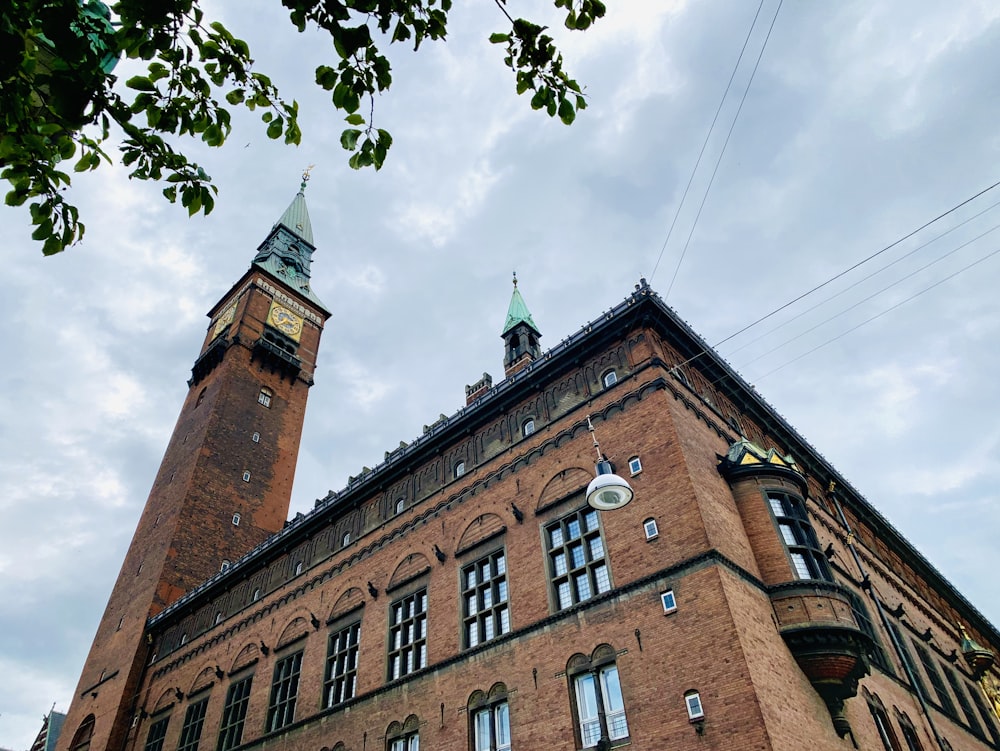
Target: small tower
[
  {"x": 225, "y": 481},
  {"x": 520, "y": 335}
]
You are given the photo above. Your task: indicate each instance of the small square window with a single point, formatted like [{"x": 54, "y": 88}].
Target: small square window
[
  {"x": 528, "y": 427},
  {"x": 609, "y": 379},
  {"x": 400, "y": 505},
  {"x": 298, "y": 568},
  {"x": 256, "y": 438},
  {"x": 225, "y": 565},
  {"x": 246, "y": 476},
  {"x": 694, "y": 708},
  {"x": 650, "y": 528},
  {"x": 459, "y": 469},
  {"x": 237, "y": 519},
  {"x": 634, "y": 465},
  {"x": 669, "y": 601}
]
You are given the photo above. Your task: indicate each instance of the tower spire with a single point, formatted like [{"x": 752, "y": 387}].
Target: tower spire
[
  {"x": 286, "y": 253},
  {"x": 520, "y": 334}
]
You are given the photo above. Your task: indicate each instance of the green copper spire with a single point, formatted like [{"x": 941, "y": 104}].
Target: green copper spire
[
  {"x": 286, "y": 254},
  {"x": 517, "y": 312}
]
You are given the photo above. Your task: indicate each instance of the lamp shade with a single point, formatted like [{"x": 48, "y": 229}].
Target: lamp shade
[{"x": 608, "y": 491}]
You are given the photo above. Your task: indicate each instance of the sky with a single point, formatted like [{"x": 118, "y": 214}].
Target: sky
[{"x": 863, "y": 123}]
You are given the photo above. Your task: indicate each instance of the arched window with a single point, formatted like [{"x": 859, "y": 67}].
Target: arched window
[
  {"x": 459, "y": 469},
  {"x": 528, "y": 427},
  {"x": 400, "y": 505},
  {"x": 345, "y": 540},
  {"x": 885, "y": 732},
  {"x": 489, "y": 718},
  {"x": 609, "y": 378},
  {"x": 405, "y": 737},
  {"x": 201, "y": 396},
  {"x": 264, "y": 397},
  {"x": 81, "y": 739},
  {"x": 597, "y": 697}
]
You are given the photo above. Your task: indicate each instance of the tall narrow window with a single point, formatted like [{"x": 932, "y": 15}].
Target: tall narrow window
[
  {"x": 943, "y": 697},
  {"x": 600, "y": 709},
  {"x": 157, "y": 732},
  {"x": 577, "y": 567},
  {"x": 484, "y": 599},
  {"x": 908, "y": 659},
  {"x": 194, "y": 721},
  {"x": 342, "y": 665},
  {"x": 963, "y": 701},
  {"x": 909, "y": 732},
  {"x": 459, "y": 469},
  {"x": 264, "y": 397},
  {"x": 408, "y": 635},
  {"x": 985, "y": 713},
  {"x": 528, "y": 427},
  {"x": 861, "y": 615},
  {"x": 237, "y": 519},
  {"x": 489, "y": 716},
  {"x": 400, "y": 505},
  {"x": 799, "y": 537},
  {"x": 882, "y": 725},
  {"x": 234, "y": 714},
  {"x": 284, "y": 691},
  {"x": 83, "y": 735}
]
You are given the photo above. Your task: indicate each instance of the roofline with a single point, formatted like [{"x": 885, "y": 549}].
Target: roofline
[{"x": 642, "y": 307}]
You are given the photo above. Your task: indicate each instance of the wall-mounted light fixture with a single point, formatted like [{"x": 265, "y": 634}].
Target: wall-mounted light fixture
[{"x": 607, "y": 491}]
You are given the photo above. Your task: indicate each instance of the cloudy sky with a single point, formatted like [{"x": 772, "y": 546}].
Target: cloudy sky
[{"x": 862, "y": 124}]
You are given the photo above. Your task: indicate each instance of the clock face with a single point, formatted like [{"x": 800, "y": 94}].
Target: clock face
[
  {"x": 285, "y": 321},
  {"x": 224, "y": 320}
]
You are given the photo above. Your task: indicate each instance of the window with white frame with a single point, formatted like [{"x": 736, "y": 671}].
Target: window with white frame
[
  {"x": 400, "y": 505},
  {"x": 489, "y": 716},
  {"x": 692, "y": 700},
  {"x": 246, "y": 475},
  {"x": 237, "y": 519},
  {"x": 808, "y": 561},
  {"x": 407, "y": 635},
  {"x": 403, "y": 737},
  {"x": 650, "y": 528},
  {"x": 484, "y": 599},
  {"x": 264, "y": 397},
  {"x": 345, "y": 540},
  {"x": 668, "y": 601},
  {"x": 342, "y": 665},
  {"x": 528, "y": 427},
  {"x": 634, "y": 465},
  {"x": 597, "y": 698},
  {"x": 577, "y": 567},
  {"x": 609, "y": 379},
  {"x": 459, "y": 469}
]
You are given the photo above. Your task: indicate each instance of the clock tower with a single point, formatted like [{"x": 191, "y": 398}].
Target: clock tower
[{"x": 225, "y": 481}]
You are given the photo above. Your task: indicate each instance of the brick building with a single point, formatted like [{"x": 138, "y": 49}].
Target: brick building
[{"x": 467, "y": 595}]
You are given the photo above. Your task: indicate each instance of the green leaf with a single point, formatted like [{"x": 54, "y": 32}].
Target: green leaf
[
  {"x": 140, "y": 83},
  {"x": 349, "y": 138},
  {"x": 235, "y": 96},
  {"x": 566, "y": 112},
  {"x": 355, "y": 119},
  {"x": 499, "y": 38},
  {"x": 43, "y": 230},
  {"x": 275, "y": 128}
]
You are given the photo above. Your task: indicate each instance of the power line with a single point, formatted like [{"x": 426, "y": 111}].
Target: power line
[
  {"x": 879, "y": 315},
  {"x": 718, "y": 161},
  {"x": 873, "y": 295},
  {"x": 859, "y": 263},
  {"x": 866, "y": 278},
  {"x": 707, "y": 137}
]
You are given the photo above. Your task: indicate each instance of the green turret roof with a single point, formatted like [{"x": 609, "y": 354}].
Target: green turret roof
[
  {"x": 517, "y": 312},
  {"x": 286, "y": 254}
]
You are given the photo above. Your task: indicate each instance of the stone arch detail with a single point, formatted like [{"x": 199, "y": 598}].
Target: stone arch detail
[
  {"x": 351, "y": 600},
  {"x": 296, "y": 629},
  {"x": 410, "y": 567},
  {"x": 202, "y": 680},
  {"x": 481, "y": 528},
  {"x": 566, "y": 482},
  {"x": 83, "y": 734},
  {"x": 249, "y": 654},
  {"x": 167, "y": 698}
]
